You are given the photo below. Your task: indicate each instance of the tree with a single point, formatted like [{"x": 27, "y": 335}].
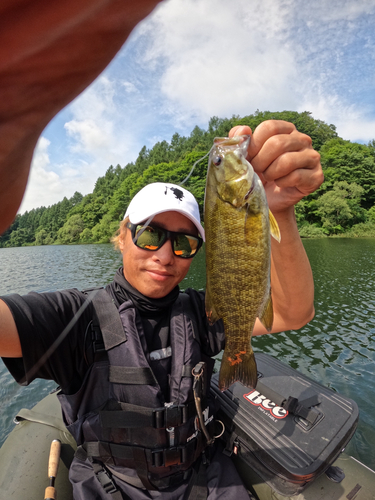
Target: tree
[
  {"x": 94, "y": 217},
  {"x": 71, "y": 230},
  {"x": 86, "y": 236},
  {"x": 106, "y": 185},
  {"x": 371, "y": 214},
  {"x": 43, "y": 238},
  {"x": 104, "y": 230},
  {"x": 76, "y": 198},
  {"x": 351, "y": 162},
  {"x": 340, "y": 207},
  {"x": 121, "y": 197},
  {"x": 177, "y": 147}
]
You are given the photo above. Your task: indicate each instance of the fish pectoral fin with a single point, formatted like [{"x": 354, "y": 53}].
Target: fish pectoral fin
[
  {"x": 210, "y": 309},
  {"x": 274, "y": 227},
  {"x": 266, "y": 317}
]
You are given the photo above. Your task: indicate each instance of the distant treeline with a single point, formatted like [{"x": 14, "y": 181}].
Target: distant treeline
[{"x": 343, "y": 205}]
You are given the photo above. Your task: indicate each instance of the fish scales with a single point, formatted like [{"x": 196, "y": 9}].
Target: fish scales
[{"x": 238, "y": 255}]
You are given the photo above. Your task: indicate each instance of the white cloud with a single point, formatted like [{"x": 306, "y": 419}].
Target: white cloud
[
  {"x": 129, "y": 87},
  {"x": 45, "y": 186},
  {"x": 213, "y": 61},
  {"x": 91, "y": 128},
  {"x": 221, "y": 58},
  {"x": 194, "y": 59},
  {"x": 43, "y": 183}
]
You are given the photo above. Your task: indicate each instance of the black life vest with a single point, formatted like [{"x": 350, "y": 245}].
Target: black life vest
[{"x": 118, "y": 417}]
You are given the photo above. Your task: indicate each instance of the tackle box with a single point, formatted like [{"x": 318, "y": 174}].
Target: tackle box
[{"x": 289, "y": 430}]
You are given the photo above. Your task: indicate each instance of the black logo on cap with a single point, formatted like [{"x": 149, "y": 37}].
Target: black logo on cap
[{"x": 177, "y": 192}]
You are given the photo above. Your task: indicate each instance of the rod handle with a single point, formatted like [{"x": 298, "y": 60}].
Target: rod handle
[
  {"x": 50, "y": 493},
  {"x": 54, "y": 458}
]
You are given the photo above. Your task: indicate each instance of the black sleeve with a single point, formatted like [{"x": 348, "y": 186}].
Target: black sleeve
[
  {"x": 212, "y": 339},
  {"x": 40, "y": 320}
]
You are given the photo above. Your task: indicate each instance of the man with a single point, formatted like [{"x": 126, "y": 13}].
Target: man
[
  {"x": 116, "y": 368},
  {"x": 50, "y": 52}
]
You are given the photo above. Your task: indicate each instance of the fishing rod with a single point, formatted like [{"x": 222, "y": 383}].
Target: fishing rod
[
  {"x": 34, "y": 369},
  {"x": 53, "y": 465}
]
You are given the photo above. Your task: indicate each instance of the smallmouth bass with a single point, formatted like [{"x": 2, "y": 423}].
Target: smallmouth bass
[{"x": 238, "y": 226}]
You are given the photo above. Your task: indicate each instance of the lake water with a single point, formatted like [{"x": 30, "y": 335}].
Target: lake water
[{"x": 336, "y": 349}]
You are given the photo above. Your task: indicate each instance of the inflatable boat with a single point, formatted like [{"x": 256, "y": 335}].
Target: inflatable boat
[{"x": 286, "y": 439}]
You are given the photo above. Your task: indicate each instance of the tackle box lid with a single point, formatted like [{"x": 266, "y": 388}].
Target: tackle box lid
[{"x": 287, "y": 443}]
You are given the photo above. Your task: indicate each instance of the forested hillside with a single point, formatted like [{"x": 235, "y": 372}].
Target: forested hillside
[{"x": 344, "y": 204}]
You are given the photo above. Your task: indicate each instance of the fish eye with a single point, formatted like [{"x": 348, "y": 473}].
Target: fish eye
[{"x": 217, "y": 160}]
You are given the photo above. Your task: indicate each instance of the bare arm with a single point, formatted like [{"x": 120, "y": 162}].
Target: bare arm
[
  {"x": 290, "y": 169},
  {"x": 49, "y": 53},
  {"x": 291, "y": 280},
  {"x": 10, "y": 346}
]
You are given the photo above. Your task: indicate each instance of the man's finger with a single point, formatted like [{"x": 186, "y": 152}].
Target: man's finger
[
  {"x": 304, "y": 180},
  {"x": 265, "y": 131},
  {"x": 291, "y": 161},
  {"x": 240, "y": 130}
]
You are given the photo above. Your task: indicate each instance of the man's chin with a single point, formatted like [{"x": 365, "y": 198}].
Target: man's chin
[{"x": 157, "y": 290}]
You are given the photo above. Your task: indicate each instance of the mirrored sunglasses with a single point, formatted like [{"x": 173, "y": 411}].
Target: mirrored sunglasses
[{"x": 151, "y": 238}]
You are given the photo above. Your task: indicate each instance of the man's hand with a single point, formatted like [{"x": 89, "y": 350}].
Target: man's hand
[
  {"x": 50, "y": 51},
  {"x": 285, "y": 161}
]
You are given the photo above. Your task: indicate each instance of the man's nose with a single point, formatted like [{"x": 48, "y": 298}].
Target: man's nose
[{"x": 165, "y": 254}]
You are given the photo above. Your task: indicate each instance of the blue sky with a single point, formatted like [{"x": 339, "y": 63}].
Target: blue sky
[{"x": 194, "y": 59}]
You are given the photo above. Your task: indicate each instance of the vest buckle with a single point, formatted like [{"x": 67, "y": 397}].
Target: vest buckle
[
  {"x": 170, "y": 416},
  {"x": 97, "y": 339},
  {"x": 167, "y": 457},
  {"x": 104, "y": 478}
]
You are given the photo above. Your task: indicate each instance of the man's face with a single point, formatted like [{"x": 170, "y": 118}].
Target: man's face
[{"x": 155, "y": 274}]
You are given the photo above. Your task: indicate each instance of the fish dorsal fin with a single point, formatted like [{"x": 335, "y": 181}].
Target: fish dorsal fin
[
  {"x": 266, "y": 316},
  {"x": 274, "y": 227}
]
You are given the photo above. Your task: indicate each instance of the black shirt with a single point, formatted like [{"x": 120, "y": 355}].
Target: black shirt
[{"x": 42, "y": 317}]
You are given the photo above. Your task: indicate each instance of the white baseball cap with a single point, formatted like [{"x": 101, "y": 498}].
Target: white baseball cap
[{"x": 161, "y": 197}]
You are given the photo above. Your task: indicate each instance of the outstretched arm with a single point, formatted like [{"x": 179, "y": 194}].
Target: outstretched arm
[
  {"x": 49, "y": 53},
  {"x": 10, "y": 345},
  {"x": 290, "y": 169}
]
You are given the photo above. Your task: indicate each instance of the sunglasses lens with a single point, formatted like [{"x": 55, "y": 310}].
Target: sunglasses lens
[
  {"x": 149, "y": 238},
  {"x": 153, "y": 238},
  {"x": 185, "y": 246}
]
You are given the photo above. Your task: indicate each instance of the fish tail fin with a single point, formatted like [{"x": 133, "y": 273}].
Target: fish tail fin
[
  {"x": 274, "y": 227},
  {"x": 242, "y": 366}
]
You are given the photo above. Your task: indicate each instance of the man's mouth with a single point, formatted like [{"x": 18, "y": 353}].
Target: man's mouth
[{"x": 158, "y": 274}]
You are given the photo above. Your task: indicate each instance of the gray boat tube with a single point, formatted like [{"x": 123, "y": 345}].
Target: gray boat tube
[{"x": 24, "y": 464}]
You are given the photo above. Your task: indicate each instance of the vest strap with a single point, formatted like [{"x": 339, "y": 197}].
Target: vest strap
[
  {"x": 141, "y": 466},
  {"x": 108, "y": 318},
  {"x": 166, "y": 457},
  {"x": 133, "y": 416},
  {"x": 197, "y": 489},
  {"x": 129, "y": 375},
  {"x": 105, "y": 479}
]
